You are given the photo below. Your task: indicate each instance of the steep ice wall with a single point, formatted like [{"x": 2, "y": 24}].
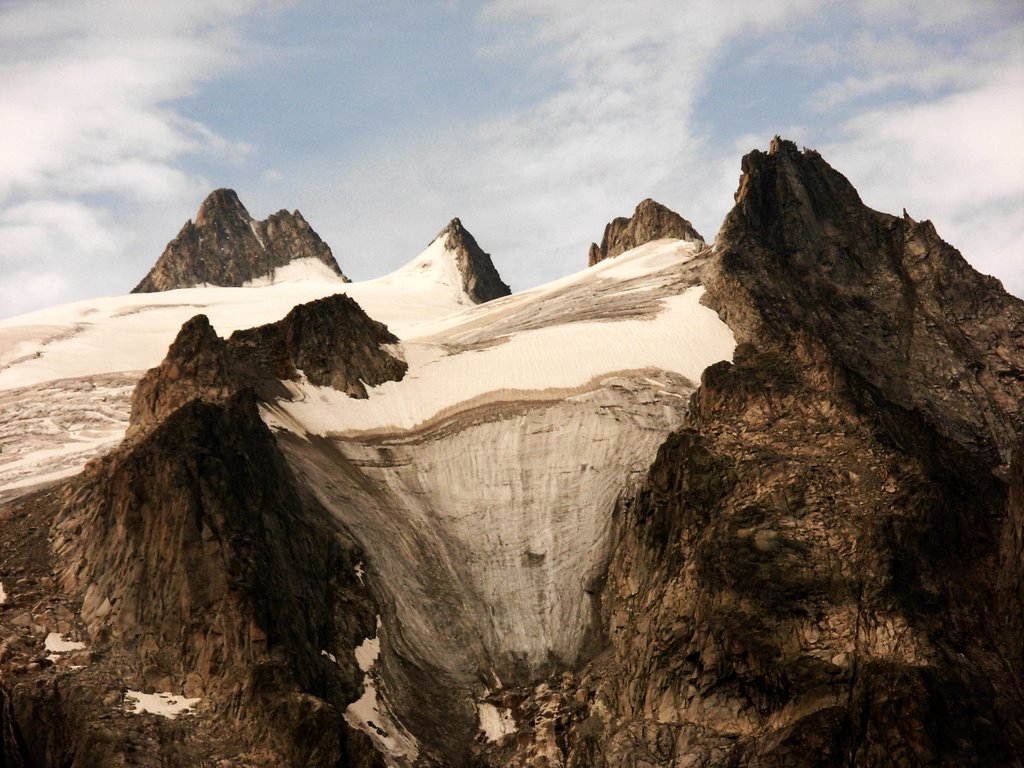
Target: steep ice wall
[
  {"x": 513, "y": 503},
  {"x": 482, "y": 485}
]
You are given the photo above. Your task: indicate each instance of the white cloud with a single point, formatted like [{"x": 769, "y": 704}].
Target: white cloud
[
  {"x": 54, "y": 226},
  {"x": 89, "y": 137},
  {"x": 958, "y": 161},
  {"x": 25, "y": 290},
  {"x": 537, "y": 185}
]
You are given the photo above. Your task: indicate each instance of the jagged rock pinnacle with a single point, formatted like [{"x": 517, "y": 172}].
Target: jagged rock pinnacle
[
  {"x": 650, "y": 221},
  {"x": 480, "y": 280},
  {"x": 885, "y": 295},
  {"x": 227, "y": 247}
]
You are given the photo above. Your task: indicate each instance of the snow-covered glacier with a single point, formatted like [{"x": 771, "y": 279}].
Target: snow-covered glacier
[{"x": 481, "y": 486}]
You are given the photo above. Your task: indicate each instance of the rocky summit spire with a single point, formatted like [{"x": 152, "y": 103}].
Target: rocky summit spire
[
  {"x": 650, "y": 221},
  {"x": 480, "y": 280},
  {"x": 801, "y": 258},
  {"x": 226, "y": 246}
]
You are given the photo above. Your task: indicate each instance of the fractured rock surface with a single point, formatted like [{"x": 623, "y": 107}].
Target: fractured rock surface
[
  {"x": 198, "y": 567},
  {"x": 650, "y": 221},
  {"x": 330, "y": 340},
  {"x": 225, "y": 246},
  {"x": 480, "y": 280},
  {"x": 823, "y": 569},
  {"x": 813, "y": 558}
]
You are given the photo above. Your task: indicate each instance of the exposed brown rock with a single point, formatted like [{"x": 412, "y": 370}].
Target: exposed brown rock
[
  {"x": 197, "y": 366},
  {"x": 331, "y": 340},
  {"x": 201, "y": 566},
  {"x": 196, "y": 565},
  {"x": 227, "y": 247},
  {"x": 825, "y": 568},
  {"x": 650, "y": 221},
  {"x": 480, "y": 280},
  {"x": 800, "y": 256},
  {"x": 1011, "y": 582}
]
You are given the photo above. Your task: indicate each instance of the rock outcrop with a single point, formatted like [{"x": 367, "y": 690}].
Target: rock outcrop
[
  {"x": 227, "y": 247},
  {"x": 480, "y": 280},
  {"x": 823, "y": 569},
  {"x": 200, "y": 567},
  {"x": 801, "y": 260},
  {"x": 822, "y": 566},
  {"x": 204, "y": 571},
  {"x": 197, "y": 367},
  {"x": 650, "y": 221},
  {"x": 331, "y": 341}
]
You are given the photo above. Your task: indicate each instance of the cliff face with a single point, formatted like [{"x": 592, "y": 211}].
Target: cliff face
[
  {"x": 822, "y": 565},
  {"x": 330, "y": 340},
  {"x": 480, "y": 280},
  {"x": 803, "y": 261},
  {"x": 650, "y": 221},
  {"x": 823, "y": 569},
  {"x": 226, "y": 246},
  {"x": 191, "y": 562},
  {"x": 204, "y": 571}
]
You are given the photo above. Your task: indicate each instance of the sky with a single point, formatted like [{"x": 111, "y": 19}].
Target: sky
[{"x": 534, "y": 122}]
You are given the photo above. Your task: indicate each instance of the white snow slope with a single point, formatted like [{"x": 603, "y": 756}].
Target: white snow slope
[
  {"x": 481, "y": 486},
  {"x": 67, "y": 373}
]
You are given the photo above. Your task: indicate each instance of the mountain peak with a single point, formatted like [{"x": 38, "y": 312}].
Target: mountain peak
[
  {"x": 882, "y": 294},
  {"x": 225, "y": 246},
  {"x": 780, "y": 145},
  {"x": 478, "y": 276},
  {"x": 219, "y": 203},
  {"x": 790, "y": 193},
  {"x": 650, "y": 221}
]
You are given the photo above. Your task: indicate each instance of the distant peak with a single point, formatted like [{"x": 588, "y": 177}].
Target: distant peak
[
  {"x": 650, "y": 221},
  {"x": 457, "y": 234},
  {"x": 225, "y": 246},
  {"x": 218, "y": 203},
  {"x": 785, "y": 179},
  {"x": 480, "y": 280}
]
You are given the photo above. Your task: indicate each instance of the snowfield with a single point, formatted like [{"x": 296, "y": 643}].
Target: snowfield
[
  {"x": 481, "y": 487},
  {"x": 164, "y": 704},
  {"x": 55, "y": 643},
  {"x": 67, "y": 373}
]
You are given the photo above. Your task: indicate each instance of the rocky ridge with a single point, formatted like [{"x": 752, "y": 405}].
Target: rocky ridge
[
  {"x": 823, "y": 568},
  {"x": 227, "y": 247},
  {"x": 650, "y": 221},
  {"x": 330, "y": 341},
  {"x": 480, "y": 280},
  {"x": 191, "y": 562}
]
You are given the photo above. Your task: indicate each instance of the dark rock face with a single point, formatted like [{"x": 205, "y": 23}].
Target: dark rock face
[
  {"x": 331, "y": 340},
  {"x": 801, "y": 257},
  {"x": 197, "y": 565},
  {"x": 824, "y": 569},
  {"x": 203, "y": 569},
  {"x": 1011, "y": 583},
  {"x": 480, "y": 280},
  {"x": 650, "y": 221},
  {"x": 197, "y": 366},
  {"x": 227, "y": 247}
]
